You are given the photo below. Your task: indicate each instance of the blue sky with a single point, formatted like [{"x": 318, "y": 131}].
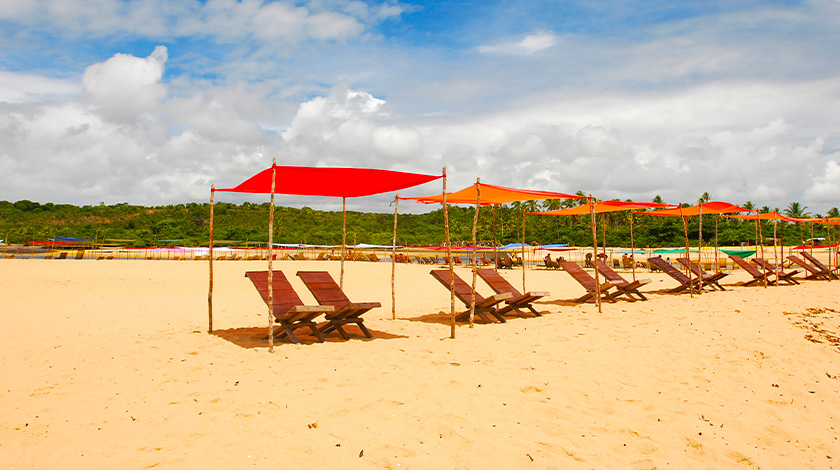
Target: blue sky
[{"x": 150, "y": 102}]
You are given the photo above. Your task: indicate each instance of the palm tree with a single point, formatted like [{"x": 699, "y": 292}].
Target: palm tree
[
  {"x": 705, "y": 197},
  {"x": 833, "y": 212},
  {"x": 748, "y": 206},
  {"x": 797, "y": 211},
  {"x": 658, "y": 199}
]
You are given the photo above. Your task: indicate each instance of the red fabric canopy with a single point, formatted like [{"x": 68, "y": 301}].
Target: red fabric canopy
[
  {"x": 331, "y": 182},
  {"x": 711, "y": 207},
  {"x": 603, "y": 206},
  {"x": 491, "y": 194}
]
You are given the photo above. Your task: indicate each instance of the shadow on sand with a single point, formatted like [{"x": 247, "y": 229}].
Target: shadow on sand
[{"x": 255, "y": 337}]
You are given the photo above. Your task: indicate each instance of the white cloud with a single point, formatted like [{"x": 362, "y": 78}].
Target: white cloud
[
  {"x": 27, "y": 87},
  {"x": 528, "y": 45},
  {"x": 125, "y": 86}
]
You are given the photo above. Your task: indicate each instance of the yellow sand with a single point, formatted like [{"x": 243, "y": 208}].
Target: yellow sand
[{"x": 108, "y": 364}]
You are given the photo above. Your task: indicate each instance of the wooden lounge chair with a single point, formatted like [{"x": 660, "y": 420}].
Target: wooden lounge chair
[
  {"x": 819, "y": 264},
  {"x": 504, "y": 262},
  {"x": 485, "y": 307},
  {"x": 484, "y": 261},
  {"x": 813, "y": 272},
  {"x": 676, "y": 274},
  {"x": 588, "y": 282},
  {"x": 327, "y": 292},
  {"x": 711, "y": 280},
  {"x": 373, "y": 257},
  {"x": 757, "y": 274},
  {"x": 550, "y": 263},
  {"x": 625, "y": 287},
  {"x": 781, "y": 276},
  {"x": 289, "y": 311},
  {"x": 518, "y": 300}
]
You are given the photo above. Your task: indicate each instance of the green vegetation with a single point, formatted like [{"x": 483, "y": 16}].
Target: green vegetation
[{"x": 188, "y": 225}]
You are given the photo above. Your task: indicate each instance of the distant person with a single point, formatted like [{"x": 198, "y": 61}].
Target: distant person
[{"x": 588, "y": 262}]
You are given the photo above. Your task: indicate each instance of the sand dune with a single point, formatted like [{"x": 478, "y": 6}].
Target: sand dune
[{"x": 108, "y": 364}]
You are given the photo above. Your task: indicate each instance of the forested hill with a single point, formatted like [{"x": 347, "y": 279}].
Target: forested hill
[{"x": 188, "y": 225}]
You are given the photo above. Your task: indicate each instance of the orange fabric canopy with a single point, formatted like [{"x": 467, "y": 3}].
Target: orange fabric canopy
[
  {"x": 770, "y": 216},
  {"x": 603, "y": 206},
  {"x": 711, "y": 207},
  {"x": 490, "y": 194}
]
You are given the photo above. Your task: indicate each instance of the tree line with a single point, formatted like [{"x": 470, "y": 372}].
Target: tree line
[{"x": 247, "y": 224}]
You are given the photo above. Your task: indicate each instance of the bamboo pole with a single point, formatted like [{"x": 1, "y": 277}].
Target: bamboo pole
[
  {"x": 632, "y": 248},
  {"x": 271, "y": 259},
  {"x": 685, "y": 230},
  {"x": 761, "y": 239},
  {"x": 475, "y": 225},
  {"x": 449, "y": 257},
  {"x": 717, "y": 255},
  {"x": 776, "y": 247},
  {"x": 594, "y": 228},
  {"x": 343, "y": 238},
  {"x": 699, "y": 252},
  {"x": 523, "y": 250},
  {"x": 394, "y": 261},
  {"x": 495, "y": 245},
  {"x": 604, "y": 234},
  {"x": 210, "y": 258}
]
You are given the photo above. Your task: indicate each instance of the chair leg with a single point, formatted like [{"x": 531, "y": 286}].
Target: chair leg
[{"x": 364, "y": 329}]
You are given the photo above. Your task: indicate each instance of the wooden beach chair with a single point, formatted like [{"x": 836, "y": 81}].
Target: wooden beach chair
[
  {"x": 676, "y": 274},
  {"x": 756, "y": 273},
  {"x": 781, "y": 276},
  {"x": 814, "y": 273},
  {"x": 485, "y": 307},
  {"x": 711, "y": 280},
  {"x": 373, "y": 257},
  {"x": 327, "y": 292},
  {"x": 625, "y": 287},
  {"x": 550, "y": 263},
  {"x": 588, "y": 282},
  {"x": 518, "y": 301},
  {"x": 819, "y": 264},
  {"x": 289, "y": 311}
]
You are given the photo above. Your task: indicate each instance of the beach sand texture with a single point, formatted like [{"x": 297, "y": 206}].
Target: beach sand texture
[{"x": 108, "y": 364}]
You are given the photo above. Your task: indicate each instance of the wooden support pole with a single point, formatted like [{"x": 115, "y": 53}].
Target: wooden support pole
[
  {"x": 523, "y": 250},
  {"x": 776, "y": 247},
  {"x": 475, "y": 225},
  {"x": 594, "y": 228},
  {"x": 210, "y": 258},
  {"x": 271, "y": 259},
  {"x": 495, "y": 245},
  {"x": 717, "y": 256},
  {"x": 685, "y": 230},
  {"x": 394, "y": 261},
  {"x": 449, "y": 256},
  {"x": 760, "y": 239},
  {"x": 632, "y": 248},
  {"x": 700, "y": 252},
  {"x": 343, "y": 238}
]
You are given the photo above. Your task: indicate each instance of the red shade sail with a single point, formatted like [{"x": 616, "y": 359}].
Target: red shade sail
[
  {"x": 711, "y": 207},
  {"x": 331, "y": 182},
  {"x": 491, "y": 194},
  {"x": 603, "y": 206}
]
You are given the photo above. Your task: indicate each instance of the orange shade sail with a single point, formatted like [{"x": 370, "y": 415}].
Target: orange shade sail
[
  {"x": 491, "y": 194},
  {"x": 603, "y": 206},
  {"x": 711, "y": 207}
]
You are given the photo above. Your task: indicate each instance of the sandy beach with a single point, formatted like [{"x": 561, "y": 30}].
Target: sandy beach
[{"x": 109, "y": 364}]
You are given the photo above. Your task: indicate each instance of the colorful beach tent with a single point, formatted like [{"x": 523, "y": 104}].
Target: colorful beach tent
[{"x": 314, "y": 181}]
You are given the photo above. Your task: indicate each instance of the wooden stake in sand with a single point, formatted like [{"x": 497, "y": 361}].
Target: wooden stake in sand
[
  {"x": 495, "y": 245},
  {"x": 523, "y": 250},
  {"x": 717, "y": 256},
  {"x": 632, "y": 248},
  {"x": 700, "y": 251},
  {"x": 475, "y": 225},
  {"x": 595, "y": 250},
  {"x": 210, "y": 258},
  {"x": 760, "y": 239},
  {"x": 776, "y": 247},
  {"x": 271, "y": 259},
  {"x": 394, "y": 261},
  {"x": 685, "y": 229},
  {"x": 343, "y": 238},
  {"x": 449, "y": 257}
]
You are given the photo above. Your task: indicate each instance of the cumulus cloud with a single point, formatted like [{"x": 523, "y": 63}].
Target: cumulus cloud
[
  {"x": 528, "y": 45},
  {"x": 27, "y": 87},
  {"x": 125, "y": 86}
]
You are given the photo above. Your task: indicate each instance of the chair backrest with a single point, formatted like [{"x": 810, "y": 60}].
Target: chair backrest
[
  {"x": 324, "y": 288},
  {"x": 462, "y": 290},
  {"x": 764, "y": 264},
  {"x": 802, "y": 264},
  {"x": 819, "y": 264},
  {"x": 692, "y": 266},
  {"x": 752, "y": 270},
  {"x": 284, "y": 296},
  {"x": 499, "y": 284},
  {"x": 668, "y": 269},
  {"x": 608, "y": 273},
  {"x": 578, "y": 274}
]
